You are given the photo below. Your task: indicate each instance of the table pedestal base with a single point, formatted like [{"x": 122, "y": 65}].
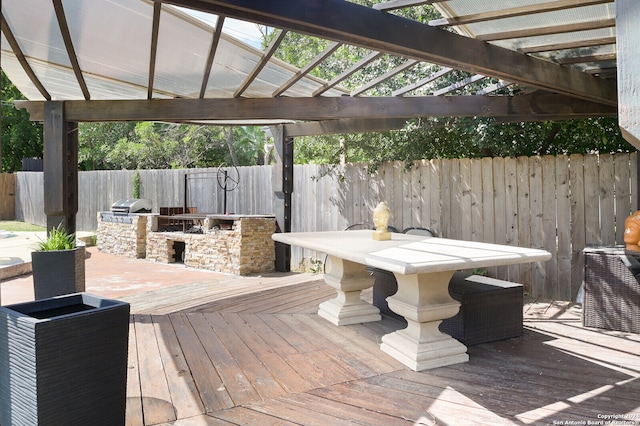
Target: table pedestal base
[
  {"x": 422, "y": 355},
  {"x": 424, "y": 301},
  {"x": 348, "y": 279}
]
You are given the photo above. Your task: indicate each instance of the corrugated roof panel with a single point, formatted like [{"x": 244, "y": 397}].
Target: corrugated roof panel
[
  {"x": 16, "y": 74},
  {"x": 116, "y": 49},
  {"x": 182, "y": 54},
  {"x": 34, "y": 24},
  {"x": 112, "y": 42}
]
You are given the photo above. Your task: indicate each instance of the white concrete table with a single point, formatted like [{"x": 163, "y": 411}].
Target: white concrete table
[{"x": 423, "y": 267}]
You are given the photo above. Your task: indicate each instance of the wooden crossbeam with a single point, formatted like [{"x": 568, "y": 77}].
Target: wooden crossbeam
[
  {"x": 322, "y": 108},
  {"x": 383, "y": 32}
]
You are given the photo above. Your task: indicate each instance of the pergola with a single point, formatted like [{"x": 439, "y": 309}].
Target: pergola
[{"x": 137, "y": 60}]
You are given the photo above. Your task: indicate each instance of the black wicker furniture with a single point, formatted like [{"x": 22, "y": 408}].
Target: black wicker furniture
[
  {"x": 611, "y": 289},
  {"x": 490, "y": 310}
]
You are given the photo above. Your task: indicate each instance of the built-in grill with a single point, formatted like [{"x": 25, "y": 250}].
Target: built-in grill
[
  {"x": 123, "y": 211},
  {"x": 131, "y": 205}
]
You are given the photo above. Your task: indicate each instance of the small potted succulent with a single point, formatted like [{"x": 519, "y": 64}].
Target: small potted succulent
[{"x": 58, "y": 264}]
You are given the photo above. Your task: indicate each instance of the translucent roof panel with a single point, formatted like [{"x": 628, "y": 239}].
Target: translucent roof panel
[
  {"x": 35, "y": 26},
  {"x": 180, "y": 70},
  {"x": 20, "y": 79},
  {"x": 112, "y": 41},
  {"x": 117, "y": 48},
  {"x": 574, "y": 23}
]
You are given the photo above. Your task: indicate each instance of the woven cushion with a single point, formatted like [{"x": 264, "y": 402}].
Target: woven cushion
[{"x": 611, "y": 291}]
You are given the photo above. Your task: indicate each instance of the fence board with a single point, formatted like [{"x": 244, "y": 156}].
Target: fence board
[
  {"x": 397, "y": 194},
  {"x": 7, "y": 196},
  {"x": 499, "y": 203},
  {"x": 592, "y": 201},
  {"x": 537, "y": 236},
  {"x": 415, "y": 197},
  {"x": 477, "y": 197},
  {"x": 549, "y": 217},
  {"x": 578, "y": 224},
  {"x": 606, "y": 187},
  {"x": 466, "y": 200},
  {"x": 623, "y": 209},
  {"x": 557, "y": 203},
  {"x": 446, "y": 188},
  {"x": 435, "y": 221},
  {"x": 524, "y": 218},
  {"x": 563, "y": 224},
  {"x": 350, "y": 194},
  {"x": 488, "y": 208},
  {"x": 511, "y": 212}
]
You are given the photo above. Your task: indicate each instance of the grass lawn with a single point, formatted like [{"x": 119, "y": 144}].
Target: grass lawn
[{"x": 15, "y": 226}]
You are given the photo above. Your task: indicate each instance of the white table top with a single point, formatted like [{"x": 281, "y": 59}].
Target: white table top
[{"x": 411, "y": 254}]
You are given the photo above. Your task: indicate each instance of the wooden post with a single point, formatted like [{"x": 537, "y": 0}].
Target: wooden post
[
  {"x": 282, "y": 179},
  {"x": 628, "y": 57},
  {"x": 60, "y": 164}
]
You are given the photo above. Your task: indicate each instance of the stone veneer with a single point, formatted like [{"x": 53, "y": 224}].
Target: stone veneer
[
  {"x": 246, "y": 248},
  {"x": 124, "y": 239}
]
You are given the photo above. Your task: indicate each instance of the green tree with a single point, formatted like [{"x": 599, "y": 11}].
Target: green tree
[
  {"x": 96, "y": 140},
  {"x": 148, "y": 145},
  {"x": 21, "y": 137}
]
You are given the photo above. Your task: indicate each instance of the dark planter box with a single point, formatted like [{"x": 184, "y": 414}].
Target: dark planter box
[
  {"x": 63, "y": 361},
  {"x": 58, "y": 272}
]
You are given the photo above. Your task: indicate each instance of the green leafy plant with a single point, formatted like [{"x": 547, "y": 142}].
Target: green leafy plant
[
  {"x": 58, "y": 239},
  {"x": 136, "y": 184}
]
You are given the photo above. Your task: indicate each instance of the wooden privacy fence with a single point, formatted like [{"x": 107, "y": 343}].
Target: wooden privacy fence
[
  {"x": 7, "y": 197},
  {"x": 558, "y": 203}
]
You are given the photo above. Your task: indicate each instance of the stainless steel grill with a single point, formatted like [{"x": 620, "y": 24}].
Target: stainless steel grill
[{"x": 132, "y": 205}]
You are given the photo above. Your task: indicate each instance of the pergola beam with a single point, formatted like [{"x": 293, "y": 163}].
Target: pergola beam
[
  {"x": 333, "y": 20},
  {"x": 212, "y": 53},
  {"x": 264, "y": 60},
  {"x": 323, "y": 108},
  {"x": 514, "y": 12},
  {"x": 68, "y": 43},
  {"x": 155, "y": 29},
  {"x": 343, "y": 126}
]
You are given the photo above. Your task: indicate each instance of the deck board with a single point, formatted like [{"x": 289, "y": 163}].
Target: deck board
[
  {"x": 211, "y": 388},
  {"x": 157, "y": 401},
  {"x": 261, "y": 355},
  {"x": 183, "y": 390},
  {"x": 133, "y": 414}
]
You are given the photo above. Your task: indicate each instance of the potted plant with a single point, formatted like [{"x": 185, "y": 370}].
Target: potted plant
[
  {"x": 58, "y": 264},
  {"x": 63, "y": 361}
]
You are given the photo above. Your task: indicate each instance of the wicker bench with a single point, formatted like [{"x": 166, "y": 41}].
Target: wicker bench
[
  {"x": 490, "y": 309},
  {"x": 611, "y": 289}
]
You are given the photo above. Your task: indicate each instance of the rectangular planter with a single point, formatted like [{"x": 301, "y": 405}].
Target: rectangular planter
[
  {"x": 58, "y": 272},
  {"x": 63, "y": 361}
]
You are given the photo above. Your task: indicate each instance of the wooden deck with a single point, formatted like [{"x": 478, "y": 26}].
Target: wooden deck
[{"x": 236, "y": 355}]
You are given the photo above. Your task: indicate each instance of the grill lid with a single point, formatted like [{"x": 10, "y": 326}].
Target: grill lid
[{"x": 132, "y": 205}]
